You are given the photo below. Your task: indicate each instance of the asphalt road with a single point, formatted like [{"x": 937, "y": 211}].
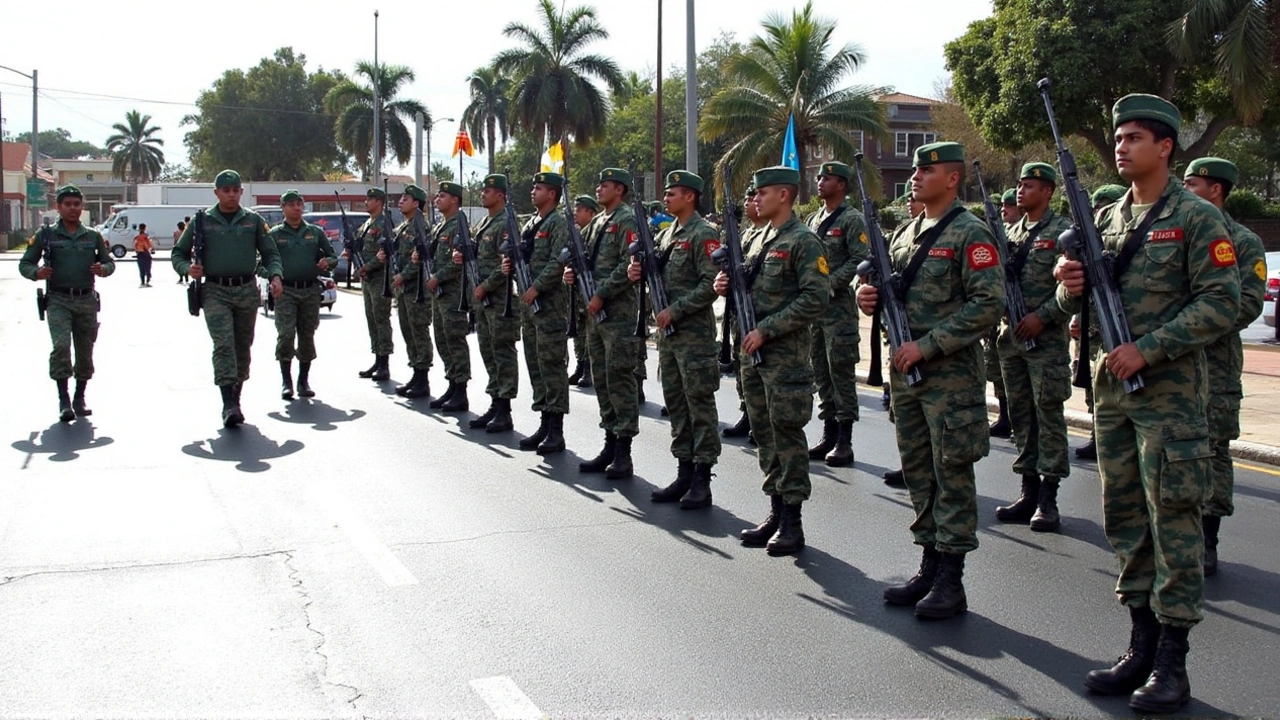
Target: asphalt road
[{"x": 359, "y": 555}]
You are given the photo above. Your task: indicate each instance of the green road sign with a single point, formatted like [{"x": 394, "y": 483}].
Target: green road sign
[{"x": 36, "y": 194}]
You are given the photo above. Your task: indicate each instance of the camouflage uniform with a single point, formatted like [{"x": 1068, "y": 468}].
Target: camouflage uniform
[
  {"x": 451, "y": 327},
  {"x": 415, "y": 317},
  {"x": 836, "y": 337},
  {"x": 749, "y": 238},
  {"x": 298, "y": 307},
  {"x": 377, "y": 309},
  {"x": 612, "y": 345},
  {"x": 496, "y": 334},
  {"x": 546, "y": 351}
]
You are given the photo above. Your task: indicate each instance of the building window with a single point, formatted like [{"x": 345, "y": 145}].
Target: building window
[
  {"x": 907, "y": 142},
  {"x": 88, "y": 177},
  {"x": 856, "y": 137},
  {"x": 900, "y": 189}
]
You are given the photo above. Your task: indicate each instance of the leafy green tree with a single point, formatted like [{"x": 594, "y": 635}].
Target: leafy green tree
[
  {"x": 1241, "y": 36},
  {"x": 136, "y": 154},
  {"x": 58, "y": 143},
  {"x": 352, "y": 104},
  {"x": 486, "y": 117},
  {"x": 633, "y": 85},
  {"x": 441, "y": 171}
]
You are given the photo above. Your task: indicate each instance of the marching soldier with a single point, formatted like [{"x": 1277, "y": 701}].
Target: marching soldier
[
  {"x": 495, "y": 331},
  {"x": 451, "y": 325},
  {"x": 73, "y": 256},
  {"x": 750, "y": 234},
  {"x": 377, "y": 309},
  {"x": 790, "y": 290},
  {"x": 1011, "y": 214},
  {"x": 305, "y": 251},
  {"x": 953, "y": 290},
  {"x": 415, "y": 317},
  {"x": 234, "y": 240},
  {"x": 585, "y": 209}
]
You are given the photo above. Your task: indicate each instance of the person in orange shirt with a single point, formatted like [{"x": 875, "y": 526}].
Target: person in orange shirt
[{"x": 143, "y": 246}]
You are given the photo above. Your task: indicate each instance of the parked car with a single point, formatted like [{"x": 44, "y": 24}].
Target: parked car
[
  {"x": 1273, "y": 289},
  {"x": 331, "y": 223},
  {"x": 328, "y": 293},
  {"x": 270, "y": 213}
]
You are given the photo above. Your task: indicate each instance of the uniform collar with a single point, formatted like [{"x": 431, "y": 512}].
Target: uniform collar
[
  {"x": 61, "y": 229},
  {"x": 677, "y": 228}
]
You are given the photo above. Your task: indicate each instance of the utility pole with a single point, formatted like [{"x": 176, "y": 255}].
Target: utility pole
[
  {"x": 691, "y": 96},
  {"x": 418, "y": 121},
  {"x": 657, "y": 131},
  {"x": 377, "y": 110}
]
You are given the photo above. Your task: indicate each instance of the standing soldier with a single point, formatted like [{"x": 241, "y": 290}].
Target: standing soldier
[
  {"x": 73, "y": 256},
  {"x": 836, "y": 336},
  {"x": 305, "y": 251},
  {"x": 687, "y": 357},
  {"x": 585, "y": 209},
  {"x": 787, "y": 275},
  {"x": 1037, "y": 382},
  {"x": 450, "y": 323},
  {"x": 496, "y": 333},
  {"x": 953, "y": 290},
  {"x": 750, "y": 234},
  {"x": 1180, "y": 292},
  {"x": 377, "y": 309},
  {"x": 234, "y": 240},
  {"x": 415, "y": 317},
  {"x": 1212, "y": 180},
  {"x": 1011, "y": 213},
  {"x": 893, "y": 478}
]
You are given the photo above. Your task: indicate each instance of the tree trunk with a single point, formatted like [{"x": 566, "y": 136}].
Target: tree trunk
[
  {"x": 489, "y": 128},
  {"x": 1102, "y": 143},
  {"x": 801, "y": 145},
  {"x": 1204, "y": 144}
]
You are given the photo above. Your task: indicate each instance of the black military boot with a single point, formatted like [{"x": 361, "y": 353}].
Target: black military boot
[
  {"x": 621, "y": 468},
  {"x": 759, "y": 535},
  {"x": 830, "y": 430},
  {"x": 82, "y": 410},
  {"x": 1046, "y": 518},
  {"x": 1088, "y": 451},
  {"x": 946, "y": 597},
  {"x": 678, "y": 487},
  {"x": 501, "y": 421},
  {"x": 789, "y": 539},
  {"x": 304, "y": 380},
  {"x": 439, "y": 402},
  {"x": 377, "y": 363},
  {"x": 1001, "y": 428},
  {"x": 1168, "y": 688},
  {"x": 421, "y": 387},
  {"x": 383, "y": 371},
  {"x": 699, "y": 495},
  {"x": 408, "y": 385},
  {"x": 231, "y": 415},
  {"x": 842, "y": 455},
  {"x": 1211, "y": 525},
  {"x": 532, "y": 442},
  {"x": 1025, "y": 506},
  {"x": 738, "y": 429},
  {"x": 914, "y": 590},
  {"x": 554, "y": 441},
  {"x": 286, "y": 379},
  {"x": 459, "y": 402},
  {"x": 483, "y": 420},
  {"x": 576, "y": 377},
  {"x": 751, "y": 438},
  {"x": 894, "y": 478},
  {"x": 65, "y": 413},
  {"x": 1134, "y": 667},
  {"x": 586, "y": 381},
  {"x": 600, "y": 462}
]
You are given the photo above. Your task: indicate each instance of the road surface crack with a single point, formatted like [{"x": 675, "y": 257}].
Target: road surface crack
[
  {"x": 495, "y": 533},
  {"x": 322, "y": 673},
  {"x": 8, "y": 579}
]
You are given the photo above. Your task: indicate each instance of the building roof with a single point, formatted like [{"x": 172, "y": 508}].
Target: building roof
[
  {"x": 905, "y": 99},
  {"x": 15, "y": 156}
]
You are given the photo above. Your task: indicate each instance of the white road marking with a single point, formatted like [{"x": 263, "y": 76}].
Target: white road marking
[
  {"x": 392, "y": 571},
  {"x": 505, "y": 699}
]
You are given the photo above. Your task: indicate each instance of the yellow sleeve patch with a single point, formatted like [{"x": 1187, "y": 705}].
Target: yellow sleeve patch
[
  {"x": 822, "y": 265},
  {"x": 863, "y": 238},
  {"x": 1260, "y": 269},
  {"x": 31, "y": 241}
]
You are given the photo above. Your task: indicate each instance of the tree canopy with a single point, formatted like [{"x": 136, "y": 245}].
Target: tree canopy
[{"x": 58, "y": 143}]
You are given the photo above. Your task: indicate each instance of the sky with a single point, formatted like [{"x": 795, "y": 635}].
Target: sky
[{"x": 161, "y": 55}]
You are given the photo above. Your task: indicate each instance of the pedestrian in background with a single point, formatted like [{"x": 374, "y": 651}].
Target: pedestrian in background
[
  {"x": 177, "y": 235},
  {"x": 143, "y": 247}
]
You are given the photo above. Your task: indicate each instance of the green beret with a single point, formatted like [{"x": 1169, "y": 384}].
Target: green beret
[
  {"x": 905, "y": 198},
  {"x": 496, "y": 181},
  {"x": 290, "y": 196},
  {"x": 1216, "y": 168},
  {"x": 1108, "y": 194},
  {"x": 685, "y": 179},
  {"x": 451, "y": 188},
  {"x": 1039, "y": 171},
  {"x": 68, "y": 191},
  {"x": 1145, "y": 107},
  {"x": 778, "y": 175},
  {"x": 941, "y": 152},
  {"x": 617, "y": 175},
  {"x": 376, "y": 194},
  {"x": 838, "y": 169},
  {"x": 416, "y": 192},
  {"x": 1010, "y": 197},
  {"x": 227, "y": 178},
  {"x": 549, "y": 178},
  {"x": 751, "y": 190},
  {"x": 587, "y": 202}
]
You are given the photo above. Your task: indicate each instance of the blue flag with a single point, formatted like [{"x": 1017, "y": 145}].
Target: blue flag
[{"x": 790, "y": 157}]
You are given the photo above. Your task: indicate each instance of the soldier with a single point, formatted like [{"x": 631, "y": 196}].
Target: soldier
[
  {"x": 790, "y": 290},
  {"x": 836, "y": 337},
  {"x": 612, "y": 344},
  {"x": 1107, "y": 195},
  {"x": 991, "y": 355},
  {"x": 377, "y": 309},
  {"x": 451, "y": 324},
  {"x": 1212, "y": 179},
  {"x": 1009, "y": 208},
  {"x": 235, "y": 238},
  {"x": 1180, "y": 291},
  {"x": 1037, "y": 382},
  {"x": 496, "y": 332},
  {"x": 73, "y": 256},
  {"x": 894, "y": 478},
  {"x": 687, "y": 357},
  {"x": 415, "y": 317},
  {"x": 750, "y": 234},
  {"x": 546, "y": 353},
  {"x": 953, "y": 289},
  {"x": 585, "y": 209},
  {"x": 305, "y": 251}
]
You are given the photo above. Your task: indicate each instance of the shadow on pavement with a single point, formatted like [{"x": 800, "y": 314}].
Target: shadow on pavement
[
  {"x": 246, "y": 446},
  {"x": 62, "y": 442},
  {"x": 1077, "y": 528},
  {"x": 1244, "y": 584},
  {"x": 316, "y": 413},
  {"x": 682, "y": 525}
]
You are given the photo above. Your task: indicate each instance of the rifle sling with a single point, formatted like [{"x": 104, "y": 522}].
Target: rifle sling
[
  {"x": 1019, "y": 260},
  {"x": 825, "y": 227},
  {"x": 530, "y": 234},
  {"x": 1137, "y": 239},
  {"x": 926, "y": 243}
]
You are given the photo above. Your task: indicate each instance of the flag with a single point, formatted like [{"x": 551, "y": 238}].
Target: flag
[
  {"x": 462, "y": 143},
  {"x": 790, "y": 157},
  {"x": 553, "y": 159}
]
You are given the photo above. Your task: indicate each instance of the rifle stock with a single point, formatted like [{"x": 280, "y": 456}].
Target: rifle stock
[
  {"x": 646, "y": 253},
  {"x": 388, "y": 246},
  {"x": 584, "y": 278},
  {"x": 470, "y": 264},
  {"x": 731, "y": 261}
]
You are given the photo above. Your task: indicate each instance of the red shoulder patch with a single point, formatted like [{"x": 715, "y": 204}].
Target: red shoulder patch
[
  {"x": 836, "y": 232},
  {"x": 778, "y": 255},
  {"x": 1170, "y": 235},
  {"x": 711, "y": 246},
  {"x": 982, "y": 256},
  {"x": 1223, "y": 253},
  {"x": 944, "y": 253},
  {"x": 543, "y": 234}
]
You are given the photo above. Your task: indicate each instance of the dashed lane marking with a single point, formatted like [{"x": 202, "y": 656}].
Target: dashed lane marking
[{"x": 505, "y": 699}]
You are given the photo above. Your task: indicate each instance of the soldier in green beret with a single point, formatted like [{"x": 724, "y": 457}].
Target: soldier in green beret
[
  {"x": 415, "y": 317},
  {"x": 236, "y": 239},
  {"x": 1001, "y": 428},
  {"x": 73, "y": 256},
  {"x": 1180, "y": 292},
  {"x": 1106, "y": 195},
  {"x": 755, "y": 227},
  {"x": 1009, "y": 208},
  {"x": 585, "y": 210},
  {"x": 377, "y": 309},
  {"x": 496, "y": 333},
  {"x": 1037, "y": 382},
  {"x": 451, "y": 325},
  {"x": 894, "y": 478},
  {"x": 1212, "y": 179},
  {"x": 953, "y": 291},
  {"x": 305, "y": 253},
  {"x": 790, "y": 289}
]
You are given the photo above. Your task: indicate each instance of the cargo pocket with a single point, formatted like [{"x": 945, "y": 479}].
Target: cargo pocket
[
  {"x": 935, "y": 281},
  {"x": 1055, "y": 385},
  {"x": 1224, "y": 417},
  {"x": 1163, "y": 267},
  {"x": 791, "y": 404},
  {"x": 965, "y": 436},
  {"x": 1185, "y": 466}
]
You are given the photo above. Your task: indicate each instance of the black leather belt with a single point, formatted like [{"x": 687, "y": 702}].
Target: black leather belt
[
  {"x": 232, "y": 281},
  {"x": 73, "y": 292},
  {"x": 301, "y": 284}
]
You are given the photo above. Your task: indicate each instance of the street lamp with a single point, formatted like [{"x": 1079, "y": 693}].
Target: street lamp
[
  {"x": 377, "y": 110},
  {"x": 35, "y": 127},
  {"x": 430, "y": 124}
]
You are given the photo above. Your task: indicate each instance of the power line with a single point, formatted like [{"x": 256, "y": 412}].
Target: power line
[{"x": 82, "y": 95}]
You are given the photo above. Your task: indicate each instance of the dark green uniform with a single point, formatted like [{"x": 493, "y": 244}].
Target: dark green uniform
[
  {"x": 298, "y": 307},
  {"x": 836, "y": 336},
  {"x": 450, "y": 325},
  {"x": 377, "y": 309},
  {"x": 496, "y": 334},
  {"x": 415, "y": 317},
  {"x": 612, "y": 345},
  {"x": 546, "y": 348}
]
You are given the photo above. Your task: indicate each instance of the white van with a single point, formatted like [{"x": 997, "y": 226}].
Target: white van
[{"x": 161, "y": 220}]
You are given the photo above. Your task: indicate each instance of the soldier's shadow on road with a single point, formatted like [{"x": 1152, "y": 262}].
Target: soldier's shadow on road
[
  {"x": 246, "y": 446},
  {"x": 1084, "y": 530},
  {"x": 1245, "y": 584},
  {"x": 62, "y": 442},
  {"x": 319, "y": 415},
  {"x": 686, "y": 526}
]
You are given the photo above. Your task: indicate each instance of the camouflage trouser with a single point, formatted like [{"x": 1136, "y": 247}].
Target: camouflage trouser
[
  {"x": 415, "y": 327},
  {"x": 835, "y": 354},
  {"x": 612, "y": 348},
  {"x": 642, "y": 360},
  {"x": 546, "y": 356},
  {"x": 991, "y": 357},
  {"x": 1155, "y": 458},
  {"x": 580, "y": 340},
  {"x": 941, "y": 427},
  {"x": 1038, "y": 384},
  {"x": 297, "y": 312},
  {"x": 72, "y": 321},
  {"x": 497, "y": 336},
  {"x": 377, "y": 313},
  {"x": 690, "y": 378},
  {"x": 1225, "y": 393},
  {"x": 779, "y": 397},
  {"x": 451, "y": 328},
  {"x": 231, "y": 314}
]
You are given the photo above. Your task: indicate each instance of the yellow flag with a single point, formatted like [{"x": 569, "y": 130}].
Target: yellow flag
[{"x": 553, "y": 159}]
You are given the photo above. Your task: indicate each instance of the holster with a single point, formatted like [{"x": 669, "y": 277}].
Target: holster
[
  {"x": 42, "y": 303},
  {"x": 195, "y": 298}
]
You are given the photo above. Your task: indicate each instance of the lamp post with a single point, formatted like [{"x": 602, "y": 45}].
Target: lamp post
[
  {"x": 430, "y": 124},
  {"x": 377, "y": 110},
  {"x": 35, "y": 129},
  {"x": 691, "y": 96}
]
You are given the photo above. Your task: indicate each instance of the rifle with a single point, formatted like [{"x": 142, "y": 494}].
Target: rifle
[
  {"x": 42, "y": 294},
  {"x": 892, "y": 304},
  {"x": 470, "y": 264},
  {"x": 642, "y": 249},
  {"x": 1083, "y": 242},
  {"x": 732, "y": 262},
  {"x": 1016, "y": 306},
  {"x": 355, "y": 260},
  {"x": 388, "y": 246},
  {"x": 513, "y": 248},
  {"x": 576, "y": 253},
  {"x": 195, "y": 289},
  {"x": 426, "y": 257}
]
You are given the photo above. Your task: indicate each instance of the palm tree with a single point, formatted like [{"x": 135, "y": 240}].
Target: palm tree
[
  {"x": 135, "y": 154},
  {"x": 486, "y": 116},
  {"x": 554, "y": 95},
  {"x": 633, "y": 86},
  {"x": 790, "y": 71},
  {"x": 1242, "y": 36},
  {"x": 352, "y": 103}
]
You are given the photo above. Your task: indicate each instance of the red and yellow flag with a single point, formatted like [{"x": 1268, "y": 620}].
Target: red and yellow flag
[{"x": 462, "y": 143}]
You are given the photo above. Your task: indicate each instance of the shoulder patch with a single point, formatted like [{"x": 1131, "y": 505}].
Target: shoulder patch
[
  {"x": 710, "y": 246},
  {"x": 836, "y": 232},
  {"x": 862, "y": 238},
  {"x": 1170, "y": 235},
  {"x": 1222, "y": 252},
  {"x": 1260, "y": 269},
  {"x": 982, "y": 256},
  {"x": 822, "y": 265},
  {"x": 778, "y": 255},
  {"x": 1045, "y": 244},
  {"x": 944, "y": 253}
]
